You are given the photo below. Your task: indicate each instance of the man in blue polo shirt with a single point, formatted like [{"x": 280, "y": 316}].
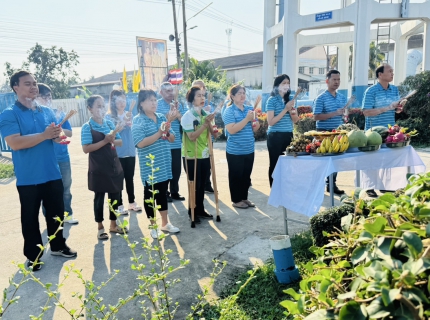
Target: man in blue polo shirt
[
  {"x": 164, "y": 107},
  {"x": 30, "y": 131},
  {"x": 328, "y": 109},
  {"x": 380, "y": 103},
  {"x": 61, "y": 151}
]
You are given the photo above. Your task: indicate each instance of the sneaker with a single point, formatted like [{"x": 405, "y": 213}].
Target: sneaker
[
  {"x": 35, "y": 267},
  {"x": 209, "y": 189},
  {"x": 71, "y": 220},
  {"x": 155, "y": 233},
  {"x": 65, "y": 252},
  {"x": 134, "y": 207},
  {"x": 170, "y": 228},
  {"x": 196, "y": 218},
  {"x": 122, "y": 211},
  {"x": 371, "y": 193},
  {"x": 177, "y": 197}
]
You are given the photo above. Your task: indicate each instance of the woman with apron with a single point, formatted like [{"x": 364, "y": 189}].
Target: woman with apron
[{"x": 105, "y": 174}]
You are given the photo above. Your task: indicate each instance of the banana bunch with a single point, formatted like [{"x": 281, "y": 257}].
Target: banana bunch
[{"x": 338, "y": 144}]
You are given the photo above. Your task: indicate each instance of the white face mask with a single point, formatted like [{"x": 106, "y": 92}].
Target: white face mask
[{"x": 283, "y": 87}]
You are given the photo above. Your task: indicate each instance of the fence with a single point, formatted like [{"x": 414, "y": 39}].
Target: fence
[{"x": 79, "y": 105}]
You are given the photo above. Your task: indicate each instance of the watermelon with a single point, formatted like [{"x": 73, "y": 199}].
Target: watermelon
[
  {"x": 383, "y": 131},
  {"x": 373, "y": 138}
]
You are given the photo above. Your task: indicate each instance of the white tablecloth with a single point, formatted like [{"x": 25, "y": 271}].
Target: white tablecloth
[{"x": 298, "y": 182}]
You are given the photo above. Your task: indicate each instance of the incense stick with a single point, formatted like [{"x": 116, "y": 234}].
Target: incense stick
[{"x": 70, "y": 114}]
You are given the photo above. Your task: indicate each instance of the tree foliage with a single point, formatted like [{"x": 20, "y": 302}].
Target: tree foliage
[{"x": 53, "y": 66}]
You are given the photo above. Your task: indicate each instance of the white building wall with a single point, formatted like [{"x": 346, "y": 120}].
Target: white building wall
[{"x": 250, "y": 76}]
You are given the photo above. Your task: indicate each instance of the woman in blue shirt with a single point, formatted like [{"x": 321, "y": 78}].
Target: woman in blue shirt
[
  {"x": 127, "y": 152},
  {"x": 281, "y": 116},
  {"x": 105, "y": 174},
  {"x": 147, "y": 131},
  {"x": 238, "y": 119}
]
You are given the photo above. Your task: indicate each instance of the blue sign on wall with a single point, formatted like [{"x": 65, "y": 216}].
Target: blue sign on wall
[{"x": 324, "y": 16}]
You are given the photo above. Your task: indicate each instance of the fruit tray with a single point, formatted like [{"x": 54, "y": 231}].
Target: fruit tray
[
  {"x": 369, "y": 148},
  {"x": 297, "y": 154},
  {"x": 397, "y": 144},
  {"x": 326, "y": 154}
]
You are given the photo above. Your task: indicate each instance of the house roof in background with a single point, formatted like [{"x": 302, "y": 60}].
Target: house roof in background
[{"x": 110, "y": 78}]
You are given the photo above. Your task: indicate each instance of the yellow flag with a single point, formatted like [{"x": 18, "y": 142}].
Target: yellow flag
[
  {"x": 139, "y": 80},
  {"x": 124, "y": 81},
  {"x": 134, "y": 81}
]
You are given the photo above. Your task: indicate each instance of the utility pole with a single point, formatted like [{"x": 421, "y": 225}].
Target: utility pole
[
  {"x": 185, "y": 71},
  {"x": 228, "y": 33},
  {"x": 178, "y": 54}
]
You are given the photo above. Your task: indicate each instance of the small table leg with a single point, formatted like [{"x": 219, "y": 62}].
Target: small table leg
[
  {"x": 331, "y": 186},
  {"x": 357, "y": 178},
  {"x": 285, "y": 221}
]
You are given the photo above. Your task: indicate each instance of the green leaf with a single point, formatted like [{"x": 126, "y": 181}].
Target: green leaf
[
  {"x": 359, "y": 254},
  {"x": 324, "y": 285},
  {"x": 344, "y": 264},
  {"x": 365, "y": 236},
  {"x": 296, "y": 296},
  {"x": 291, "y": 306},
  {"x": 301, "y": 303},
  {"x": 376, "y": 309},
  {"x": 428, "y": 230},
  {"x": 360, "y": 270},
  {"x": 351, "y": 311},
  {"x": 413, "y": 242},
  {"x": 320, "y": 315},
  {"x": 382, "y": 249},
  {"x": 348, "y": 295},
  {"x": 388, "y": 296},
  {"x": 377, "y": 226},
  {"x": 309, "y": 267},
  {"x": 424, "y": 212},
  {"x": 345, "y": 222},
  {"x": 388, "y": 197}
]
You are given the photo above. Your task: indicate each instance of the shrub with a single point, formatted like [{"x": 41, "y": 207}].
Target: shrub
[
  {"x": 305, "y": 123},
  {"x": 327, "y": 221},
  {"x": 6, "y": 171},
  {"x": 418, "y": 106},
  {"x": 378, "y": 268}
]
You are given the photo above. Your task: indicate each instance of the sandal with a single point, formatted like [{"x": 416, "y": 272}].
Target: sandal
[
  {"x": 249, "y": 203},
  {"x": 240, "y": 205},
  {"x": 371, "y": 193},
  {"x": 134, "y": 207},
  {"x": 119, "y": 230},
  {"x": 102, "y": 235}
]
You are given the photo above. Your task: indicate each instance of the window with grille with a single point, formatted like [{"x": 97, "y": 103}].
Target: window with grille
[
  {"x": 311, "y": 70},
  {"x": 321, "y": 70},
  {"x": 301, "y": 69}
]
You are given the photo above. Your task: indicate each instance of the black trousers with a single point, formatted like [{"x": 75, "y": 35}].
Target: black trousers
[
  {"x": 99, "y": 202},
  {"x": 128, "y": 166},
  {"x": 239, "y": 175},
  {"x": 30, "y": 197},
  {"x": 277, "y": 142},
  {"x": 160, "y": 198},
  {"x": 202, "y": 171},
  {"x": 176, "y": 172}
]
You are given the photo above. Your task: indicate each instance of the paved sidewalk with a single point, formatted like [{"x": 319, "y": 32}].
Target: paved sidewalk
[{"x": 241, "y": 238}]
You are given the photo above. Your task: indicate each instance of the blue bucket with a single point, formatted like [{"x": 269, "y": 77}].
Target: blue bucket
[{"x": 286, "y": 270}]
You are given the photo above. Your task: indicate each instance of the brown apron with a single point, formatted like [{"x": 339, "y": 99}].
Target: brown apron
[{"x": 105, "y": 172}]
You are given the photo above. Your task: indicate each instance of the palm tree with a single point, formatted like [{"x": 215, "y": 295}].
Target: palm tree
[{"x": 376, "y": 58}]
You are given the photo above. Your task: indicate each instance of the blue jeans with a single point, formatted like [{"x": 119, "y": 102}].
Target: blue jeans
[{"x": 66, "y": 177}]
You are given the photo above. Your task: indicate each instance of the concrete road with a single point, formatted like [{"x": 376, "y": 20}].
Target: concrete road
[{"x": 241, "y": 238}]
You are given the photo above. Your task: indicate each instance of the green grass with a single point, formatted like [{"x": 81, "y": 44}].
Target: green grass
[
  {"x": 6, "y": 171},
  {"x": 261, "y": 297}
]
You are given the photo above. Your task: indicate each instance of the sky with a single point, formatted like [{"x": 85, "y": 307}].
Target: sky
[{"x": 103, "y": 32}]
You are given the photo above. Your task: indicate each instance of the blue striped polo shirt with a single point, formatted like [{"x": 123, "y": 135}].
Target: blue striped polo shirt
[
  {"x": 378, "y": 97},
  {"x": 276, "y": 104},
  {"x": 106, "y": 127},
  {"x": 127, "y": 149},
  {"x": 142, "y": 128},
  {"x": 242, "y": 142},
  {"x": 327, "y": 103},
  {"x": 163, "y": 107}
]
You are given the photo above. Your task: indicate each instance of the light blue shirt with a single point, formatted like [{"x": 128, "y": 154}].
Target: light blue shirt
[
  {"x": 38, "y": 164},
  {"x": 243, "y": 141},
  {"x": 276, "y": 104},
  {"x": 378, "y": 97},
  {"x": 127, "y": 149},
  {"x": 62, "y": 150},
  {"x": 327, "y": 103},
  {"x": 142, "y": 128},
  {"x": 106, "y": 127},
  {"x": 163, "y": 107}
]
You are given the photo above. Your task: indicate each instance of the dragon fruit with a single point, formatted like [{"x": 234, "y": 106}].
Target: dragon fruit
[
  {"x": 389, "y": 139},
  {"x": 399, "y": 137}
]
